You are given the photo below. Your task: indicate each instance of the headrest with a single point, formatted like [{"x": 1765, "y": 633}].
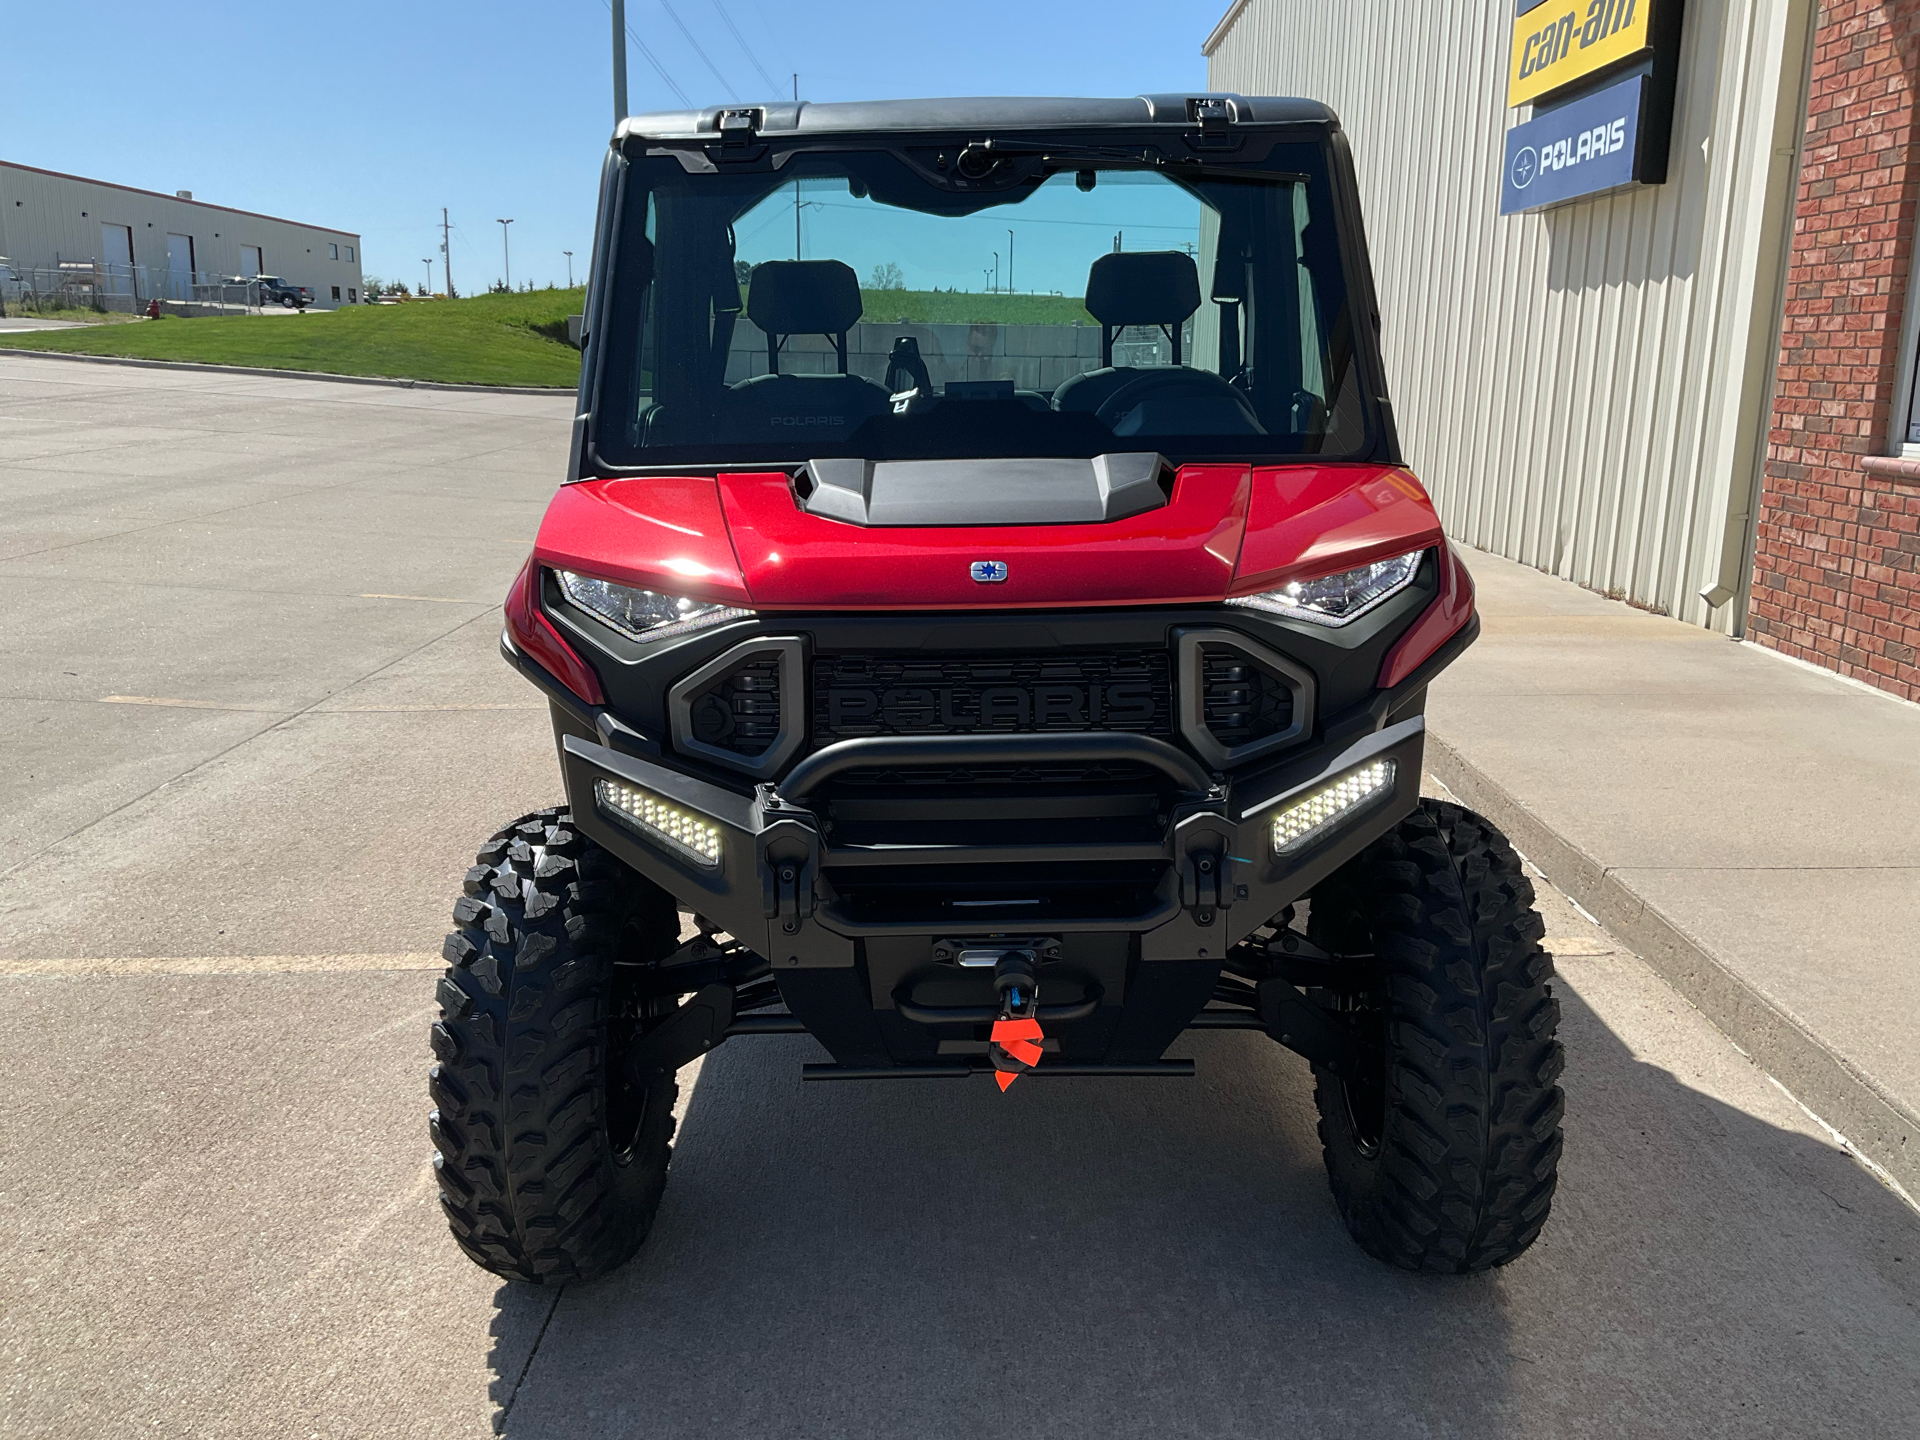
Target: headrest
[
  {"x": 804, "y": 297},
  {"x": 1143, "y": 287}
]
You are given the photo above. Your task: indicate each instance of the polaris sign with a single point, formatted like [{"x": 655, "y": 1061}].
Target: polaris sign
[{"x": 1575, "y": 150}]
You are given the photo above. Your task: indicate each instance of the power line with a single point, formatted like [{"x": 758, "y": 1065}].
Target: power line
[
  {"x": 773, "y": 87},
  {"x": 652, "y": 59},
  {"x": 726, "y": 87}
]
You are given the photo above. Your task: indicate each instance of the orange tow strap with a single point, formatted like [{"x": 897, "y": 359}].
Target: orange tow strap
[{"x": 1021, "y": 1040}]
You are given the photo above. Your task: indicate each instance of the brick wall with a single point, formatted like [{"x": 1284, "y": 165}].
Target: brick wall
[{"x": 1837, "y": 565}]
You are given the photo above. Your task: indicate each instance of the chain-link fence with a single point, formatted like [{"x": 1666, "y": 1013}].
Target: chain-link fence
[{"x": 116, "y": 286}]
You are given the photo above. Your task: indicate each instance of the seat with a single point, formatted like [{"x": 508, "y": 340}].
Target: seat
[
  {"x": 1160, "y": 288},
  {"x": 802, "y": 297},
  {"x": 1142, "y": 287}
]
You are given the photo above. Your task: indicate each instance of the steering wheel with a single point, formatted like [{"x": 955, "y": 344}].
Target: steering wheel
[{"x": 1177, "y": 384}]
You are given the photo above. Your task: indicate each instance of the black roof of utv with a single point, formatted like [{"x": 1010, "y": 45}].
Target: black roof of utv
[{"x": 1014, "y": 113}]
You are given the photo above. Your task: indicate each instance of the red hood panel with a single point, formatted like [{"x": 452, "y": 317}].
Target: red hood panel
[
  {"x": 1306, "y": 521},
  {"x": 661, "y": 533},
  {"x": 742, "y": 540},
  {"x": 1183, "y": 552}
]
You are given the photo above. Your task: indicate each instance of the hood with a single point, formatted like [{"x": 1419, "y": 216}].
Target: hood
[{"x": 743, "y": 539}]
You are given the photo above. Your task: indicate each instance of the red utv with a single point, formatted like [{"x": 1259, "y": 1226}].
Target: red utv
[{"x": 1005, "y": 668}]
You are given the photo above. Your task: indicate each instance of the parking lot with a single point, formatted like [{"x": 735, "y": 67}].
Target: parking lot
[{"x": 255, "y": 723}]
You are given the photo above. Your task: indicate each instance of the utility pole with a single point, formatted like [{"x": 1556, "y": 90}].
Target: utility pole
[
  {"x": 996, "y": 272},
  {"x": 446, "y": 251},
  {"x": 1009, "y": 262},
  {"x": 427, "y": 260},
  {"x": 506, "y": 252},
  {"x": 569, "y": 255},
  {"x": 619, "y": 60}
]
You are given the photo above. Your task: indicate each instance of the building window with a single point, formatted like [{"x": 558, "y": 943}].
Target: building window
[
  {"x": 349, "y": 252},
  {"x": 353, "y": 296},
  {"x": 333, "y": 252},
  {"x": 336, "y": 292},
  {"x": 1909, "y": 435}
]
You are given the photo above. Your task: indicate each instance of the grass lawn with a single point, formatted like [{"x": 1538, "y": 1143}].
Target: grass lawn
[
  {"x": 487, "y": 340},
  {"x": 950, "y": 307}
]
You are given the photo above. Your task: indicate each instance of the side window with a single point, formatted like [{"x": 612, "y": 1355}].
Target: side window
[
  {"x": 353, "y": 296},
  {"x": 349, "y": 252},
  {"x": 1312, "y": 374},
  {"x": 1912, "y": 438},
  {"x": 336, "y": 292}
]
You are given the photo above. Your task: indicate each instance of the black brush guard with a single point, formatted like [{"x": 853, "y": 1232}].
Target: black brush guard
[{"x": 1121, "y": 988}]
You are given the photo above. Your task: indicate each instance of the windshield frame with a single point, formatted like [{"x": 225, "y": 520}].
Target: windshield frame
[{"x": 1158, "y": 149}]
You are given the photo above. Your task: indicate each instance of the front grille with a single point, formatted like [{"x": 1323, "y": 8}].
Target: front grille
[
  {"x": 1241, "y": 700},
  {"x": 1050, "y": 692},
  {"x": 740, "y": 711}
]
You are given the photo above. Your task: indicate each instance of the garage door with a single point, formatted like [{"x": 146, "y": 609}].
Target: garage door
[{"x": 116, "y": 256}]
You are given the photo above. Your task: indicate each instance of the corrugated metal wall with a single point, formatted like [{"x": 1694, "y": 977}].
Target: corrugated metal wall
[{"x": 1584, "y": 390}]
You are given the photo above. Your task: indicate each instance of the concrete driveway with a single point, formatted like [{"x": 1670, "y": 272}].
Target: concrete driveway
[
  {"x": 252, "y": 724},
  {"x": 11, "y": 323}
]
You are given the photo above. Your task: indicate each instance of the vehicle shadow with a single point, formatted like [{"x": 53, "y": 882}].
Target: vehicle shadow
[{"x": 1135, "y": 1257}]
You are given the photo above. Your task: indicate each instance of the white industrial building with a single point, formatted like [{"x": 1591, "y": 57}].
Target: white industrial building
[{"x": 127, "y": 246}]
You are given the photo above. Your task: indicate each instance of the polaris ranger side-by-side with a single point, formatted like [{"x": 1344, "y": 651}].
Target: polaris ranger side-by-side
[{"x": 1005, "y": 679}]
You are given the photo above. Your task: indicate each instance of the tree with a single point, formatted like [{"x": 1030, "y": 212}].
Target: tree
[
  {"x": 887, "y": 277},
  {"x": 742, "y": 272}
]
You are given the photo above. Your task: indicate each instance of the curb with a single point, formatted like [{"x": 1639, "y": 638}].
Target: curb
[
  {"x": 271, "y": 373},
  {"x": 1880, "y": 1127}
]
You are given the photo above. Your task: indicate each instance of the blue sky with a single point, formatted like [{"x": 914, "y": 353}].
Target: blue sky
[
  {"x": 1057, "y": 233},
  {"x": 371, "y": 116}
]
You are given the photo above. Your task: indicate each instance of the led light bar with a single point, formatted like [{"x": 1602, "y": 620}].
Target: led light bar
[
  {"x": 679, "y": 830},
  {"x": 1312, "y": 816}
]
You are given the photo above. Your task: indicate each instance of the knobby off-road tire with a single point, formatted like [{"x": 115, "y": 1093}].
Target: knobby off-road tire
[
  {"x": 550, "y": 1164},
  {"x": 1444, "y": 1156}
]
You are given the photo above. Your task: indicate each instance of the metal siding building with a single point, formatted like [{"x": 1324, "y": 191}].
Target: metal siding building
[
  {"x": 1585, "y": 389},
  {"x": 47, "y": 219}
]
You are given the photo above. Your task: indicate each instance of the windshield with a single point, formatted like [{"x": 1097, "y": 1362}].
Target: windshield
[{"x": 873, "y": 304}]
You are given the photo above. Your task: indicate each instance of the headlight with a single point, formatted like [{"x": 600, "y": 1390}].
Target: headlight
[
  {"x": 1338, "y": 599},
  {"x": 643, "y": 614}
]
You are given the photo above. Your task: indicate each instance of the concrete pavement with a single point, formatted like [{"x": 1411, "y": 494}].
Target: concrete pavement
[
  {"x": 1751, "y": 825},
  {"x": 254, "y": 725}
]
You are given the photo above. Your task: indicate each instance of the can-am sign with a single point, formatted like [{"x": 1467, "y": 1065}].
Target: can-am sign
[
  {"x": 1581, "y": 148},
  {"x": 1559, "y": 42}
]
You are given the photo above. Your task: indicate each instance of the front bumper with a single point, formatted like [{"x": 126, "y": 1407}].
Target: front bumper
[
  {"x": 1223, "y": 877},
  {"x": 763, "y": 869}
]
